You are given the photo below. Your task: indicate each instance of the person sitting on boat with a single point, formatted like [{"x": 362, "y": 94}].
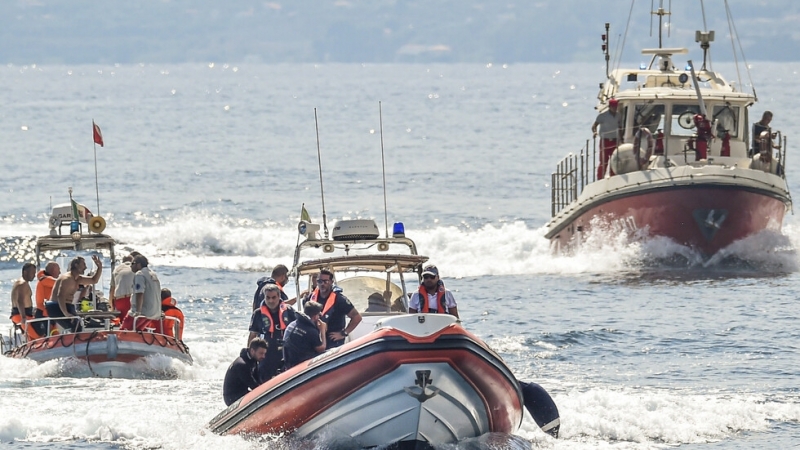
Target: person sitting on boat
[
  {"x": 122, "y": 285},
  {"x": 437, "y": 299},
  {"x": 146, "y": 299},
  {"x": 305, "y": 337},
  {"x": 62, "y": 303},
  {"x": 169, "y": 310},
  {"x": 279, "y": 277},
  {"x": 336, "y": 308},
  {"x": 610, "y": 124},
  {"x": 44, "y": 289},
  {"x": 22, "y": 303},
  {"x": 376, "y": 303},
  {"x": 269, "y": 322},
  {"x": 242, "y": 375},
  {"x": 758, "y": 128}
]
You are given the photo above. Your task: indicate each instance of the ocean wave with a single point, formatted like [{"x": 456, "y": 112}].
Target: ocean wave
[{"x": 192, "y": 238}]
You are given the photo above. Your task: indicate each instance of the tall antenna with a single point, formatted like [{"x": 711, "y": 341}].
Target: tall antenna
[
  {"x": 661, "y": 12},
  {"x": 383, "y": 167},
  {"x": 321, "y": 190}
]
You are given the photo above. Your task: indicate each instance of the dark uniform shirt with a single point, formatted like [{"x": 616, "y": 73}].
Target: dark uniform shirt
[
  {"x": 336, "y": 317},
  {"x": 273, "y": 362},
  {"x": 300, "y": 341},
  {"x": 241, "y": 378}
]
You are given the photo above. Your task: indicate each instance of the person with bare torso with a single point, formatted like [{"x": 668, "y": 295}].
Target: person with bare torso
[
  {"x": 62, "y": 303},
  {"x": 22, "y": 301}
]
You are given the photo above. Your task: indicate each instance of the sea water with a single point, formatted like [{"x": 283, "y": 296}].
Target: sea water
[{"x": 205, "y": 168}]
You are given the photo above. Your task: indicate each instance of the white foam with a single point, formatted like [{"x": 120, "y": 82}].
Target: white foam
[
  {"x": 638, "y": 417},
  {"x": 205, "y": 240}
]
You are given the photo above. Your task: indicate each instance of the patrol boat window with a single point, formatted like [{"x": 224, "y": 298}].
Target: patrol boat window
[
  {"x": 683, "y": 119},
  {"x": 650, "y": 116},
  {"x": 727, "y": 120}
]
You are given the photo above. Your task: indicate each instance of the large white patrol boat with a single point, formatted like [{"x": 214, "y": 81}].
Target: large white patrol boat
[{"x": 684, "y": 168}]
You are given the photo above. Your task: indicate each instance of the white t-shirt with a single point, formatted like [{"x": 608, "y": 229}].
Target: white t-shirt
[
  {"x": 123, "y": 280},
  {"x": 449, "y": 301},
  {"x": 145, "y": 281}
]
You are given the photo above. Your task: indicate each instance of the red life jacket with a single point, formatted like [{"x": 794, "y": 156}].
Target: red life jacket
[
  {"x": 328, "y": 303},
  {"x": 423, "y": 299},
  {"x": 282, "y": 308}
]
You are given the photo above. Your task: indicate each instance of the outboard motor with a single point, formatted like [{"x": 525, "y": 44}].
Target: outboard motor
[{"x": 542, "y": 407}]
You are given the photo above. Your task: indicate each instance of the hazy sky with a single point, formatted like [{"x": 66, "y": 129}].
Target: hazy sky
[{"x": 173, "y": 31}]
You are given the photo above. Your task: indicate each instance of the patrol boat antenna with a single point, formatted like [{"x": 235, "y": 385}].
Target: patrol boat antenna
[
  {"x": 661, "y": 13},
  {"x": 321, "y": 190},
  {"x": 383, "y": 167}
]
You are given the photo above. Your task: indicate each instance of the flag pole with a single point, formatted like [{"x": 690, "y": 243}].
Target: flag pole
[{"x": 96, "y": 185}]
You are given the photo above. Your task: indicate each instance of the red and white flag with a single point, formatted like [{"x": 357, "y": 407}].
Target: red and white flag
[{"x": 98, "y": 136}]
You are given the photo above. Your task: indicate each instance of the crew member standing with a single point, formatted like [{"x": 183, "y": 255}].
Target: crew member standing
[
  {"x": 610, "y": 123},
  {"x": 305, "y": 337},
  {"x": 269, "y": 322},
  {"x": 336, "y": 308},
  {"x": 432, "y": 296}
]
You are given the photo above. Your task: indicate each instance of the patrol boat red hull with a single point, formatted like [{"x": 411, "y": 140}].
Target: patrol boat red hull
[
  {"x": 418, "y": 378},
  {"x": 705, "y": 218}
]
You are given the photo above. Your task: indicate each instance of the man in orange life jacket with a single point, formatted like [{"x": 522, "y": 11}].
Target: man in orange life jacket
[
  {"x": 432, "y": 296},
  {"x": 279, "y": 277},
  {"x": 44, "y": 291},
  {"x": 168, "y": 309},
  {"x": 21, "y": 304},
  {"x": 335, "y": 308},
  {"x": 269, "y": 322}
]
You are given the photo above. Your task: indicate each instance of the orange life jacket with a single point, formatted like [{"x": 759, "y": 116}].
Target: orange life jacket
[
  {"x": 282, "y": 308},
  {"x": 44, "y": 290},
  {"x": 328, "y": 303},
  {"x": 170, "y": 310},
  {"x": 32, "y": 334},
  {"x": 423, "y": 299}
]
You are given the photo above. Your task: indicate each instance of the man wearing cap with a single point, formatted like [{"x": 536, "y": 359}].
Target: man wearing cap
[
  {"x": 437, "y": 298},
  {"x": 610, "y": 127}
]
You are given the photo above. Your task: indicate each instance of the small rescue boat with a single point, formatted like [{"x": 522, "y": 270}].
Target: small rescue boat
[
  {"x": 400, "y": 379},
  {"x": 100, "y": 348}
]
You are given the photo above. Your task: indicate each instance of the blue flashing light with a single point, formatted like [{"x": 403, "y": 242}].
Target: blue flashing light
[
  {"x": 74, "y": 227},
  {"x": 642, "y": 66},
  {"x": 688, "y": 68},
  {"x": 398, "y": 230}
]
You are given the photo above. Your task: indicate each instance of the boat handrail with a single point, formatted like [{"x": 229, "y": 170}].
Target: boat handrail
[
  {"x": 574, "y": 172},
  {"x": 175, "y": 324},
  {"x": 571, "y": 176}
]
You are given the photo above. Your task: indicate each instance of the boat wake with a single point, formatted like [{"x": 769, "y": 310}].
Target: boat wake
[{"x": 504, "y": 248}]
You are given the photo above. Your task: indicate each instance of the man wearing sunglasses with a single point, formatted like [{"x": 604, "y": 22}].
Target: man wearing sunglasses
[
  {"x": 335, "y": 309},
  {"x": 435, "y": 298}
]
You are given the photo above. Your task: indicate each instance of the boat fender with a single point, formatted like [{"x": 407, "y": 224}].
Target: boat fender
[
  {"x": 624, "y": 159},
  {"x": 542, "y": 407},
  {"x": 112, "y": 346}
]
